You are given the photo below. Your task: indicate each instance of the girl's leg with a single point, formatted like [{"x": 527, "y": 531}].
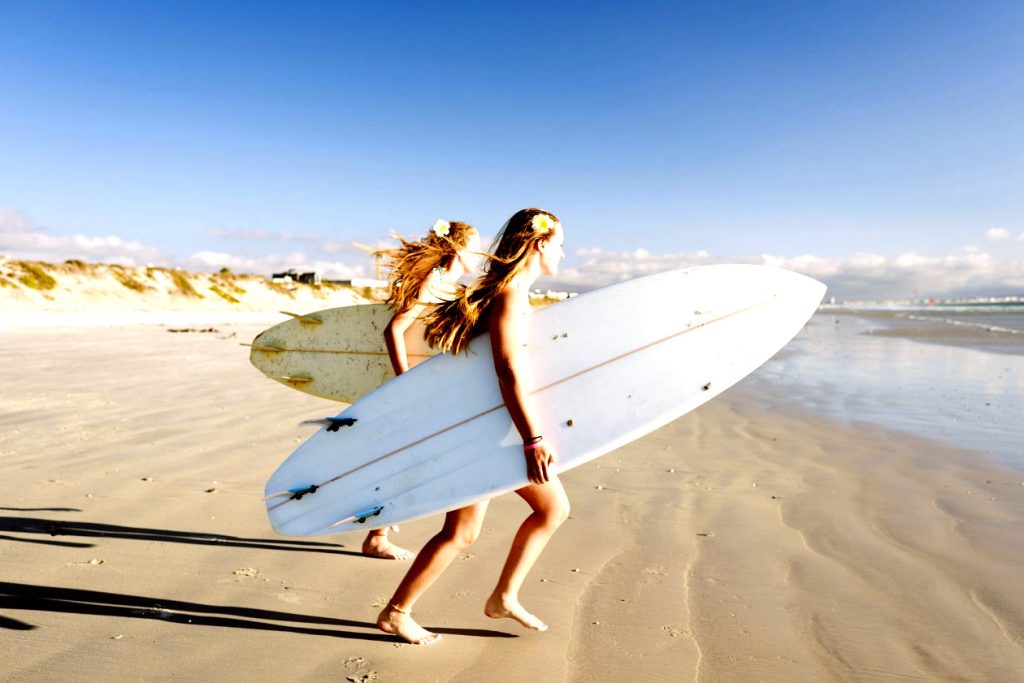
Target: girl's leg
[
  {"x": 377, "y": 544},
  {"x": 550, "y": 508},
  {"x": 461, "y": 528}
]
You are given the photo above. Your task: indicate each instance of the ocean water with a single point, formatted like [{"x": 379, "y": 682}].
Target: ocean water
[
  {"x": 1004, "y": 318},
  {"x": 965, "y": 396}
]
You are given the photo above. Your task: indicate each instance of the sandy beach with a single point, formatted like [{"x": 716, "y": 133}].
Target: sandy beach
[
  {"x": 755, "y": 539},
  {"x": 178, "y": 178}
]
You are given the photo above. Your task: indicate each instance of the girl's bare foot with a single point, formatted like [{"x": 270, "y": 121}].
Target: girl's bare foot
[
  {"x": 400, "y": 623},
  {"x": 499, "y": 608},
  {"x": 378, "y": 545}
]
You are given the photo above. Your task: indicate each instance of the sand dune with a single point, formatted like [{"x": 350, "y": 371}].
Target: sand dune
[{"x": 30, "y": 291}]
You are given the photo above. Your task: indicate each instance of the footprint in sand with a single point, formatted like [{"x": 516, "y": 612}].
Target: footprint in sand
[
  {"x": 358, "y": 666},
  {"x": 355, "y": 663}
]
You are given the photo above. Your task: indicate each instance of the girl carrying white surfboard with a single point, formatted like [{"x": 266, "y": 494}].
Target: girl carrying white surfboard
[
  {"x": 422, "y": 272},
  {"x": 529, "y": 245}
]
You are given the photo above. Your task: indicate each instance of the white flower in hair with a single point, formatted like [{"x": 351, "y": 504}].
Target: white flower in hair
[
  {"x": 441, "y": 228},
  {"x": 543, "y": 223}
]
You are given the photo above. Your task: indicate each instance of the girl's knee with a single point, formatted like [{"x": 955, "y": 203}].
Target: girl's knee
[
  {"x": 556, "y": 514},
  {"x": 460, "y": 538}
]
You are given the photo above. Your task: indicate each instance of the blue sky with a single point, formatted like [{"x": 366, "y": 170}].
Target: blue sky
[{"x": 264, "y": 135}]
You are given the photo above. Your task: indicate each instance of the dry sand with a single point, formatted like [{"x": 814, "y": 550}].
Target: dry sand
[{"x": 735, "y": 544}]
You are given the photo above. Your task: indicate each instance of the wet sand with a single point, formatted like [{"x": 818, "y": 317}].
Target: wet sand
[
  {"x": 750, "y": 540},
  {"x": 935, "y": 331}
]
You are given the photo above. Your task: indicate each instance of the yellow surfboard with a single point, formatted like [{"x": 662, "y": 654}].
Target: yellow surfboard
[{"x": 337, "y": 353}]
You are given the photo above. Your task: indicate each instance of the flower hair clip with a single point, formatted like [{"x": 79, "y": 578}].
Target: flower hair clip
[
  {"x": 441, "y": 228},
  {"x": 543, "y": 223}
]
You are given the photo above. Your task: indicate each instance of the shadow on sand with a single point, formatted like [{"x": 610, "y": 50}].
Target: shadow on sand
[
  {"x": 21, "y": 596},
  {"x": 55, "y": 527}
]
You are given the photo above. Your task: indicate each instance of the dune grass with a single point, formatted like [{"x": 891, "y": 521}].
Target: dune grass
[
  {"x": 126, "y": 279},
  {"x": 183, "y": 285},
  {"x": 34, "y": 277},
  {"x": 224, "y": 295},
  {"x": 279, "y": 288}
]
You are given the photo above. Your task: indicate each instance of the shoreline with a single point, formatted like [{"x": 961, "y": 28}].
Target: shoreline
[
  {"x": 958, "y": 394},
  {"x": 937, "y": 331},
  {"x": 747, "y": 540}
]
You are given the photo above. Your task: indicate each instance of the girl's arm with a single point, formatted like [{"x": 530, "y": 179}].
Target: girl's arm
[
  {"x": 394, "y": 337},
  {"x": 510, "y": 365}
]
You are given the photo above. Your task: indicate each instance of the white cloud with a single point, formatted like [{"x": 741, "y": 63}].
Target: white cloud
[
  {"x": 263, "y": 236},
  {"x": 20, "y": 238},
  {"x": 1020, "y": 237},
  {"x": 267, "y": 265},
  {"x": 858, "y": 276},
  {"x": 317, "y": 243},
  {"x": 910, "y": 274},
  {"x": 595, "y": 267},
  {"x": 997, "y": 234}
]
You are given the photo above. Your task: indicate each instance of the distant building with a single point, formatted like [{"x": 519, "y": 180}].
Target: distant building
[
  {"x": 309, "y": 278},
  {"x": 550, "y": 295},
  {"x": 361, "y": 282}
]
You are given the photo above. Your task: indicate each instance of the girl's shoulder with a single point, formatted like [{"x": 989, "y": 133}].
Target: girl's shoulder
[
  {"x": 437, "y": 290},
  {"x": 513, "y": 298}
]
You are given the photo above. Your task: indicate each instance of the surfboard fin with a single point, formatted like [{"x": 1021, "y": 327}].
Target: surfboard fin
[
  {"x": 294, "y": 494},
  {"x": 298, "y": 493},
  {"x": 333, "y": 424},
  {"x": 360, "y": 517},
  {"x": 297, "y": 379},
  {"x": 305, "y": 318},
  {"x": 264, "y": 347}
]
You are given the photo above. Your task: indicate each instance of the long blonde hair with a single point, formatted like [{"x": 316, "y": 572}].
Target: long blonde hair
[
  {"x": 451, "y": 325},
  {"x": 412, "y": 263}
]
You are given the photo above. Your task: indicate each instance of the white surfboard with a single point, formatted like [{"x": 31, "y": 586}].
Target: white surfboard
[{"x": 608, "y": 367}]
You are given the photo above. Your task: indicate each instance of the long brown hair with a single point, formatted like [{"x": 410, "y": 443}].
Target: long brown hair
[
  {"x": 412, "y": 263},
  {"x": 451, "y": 325}
]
